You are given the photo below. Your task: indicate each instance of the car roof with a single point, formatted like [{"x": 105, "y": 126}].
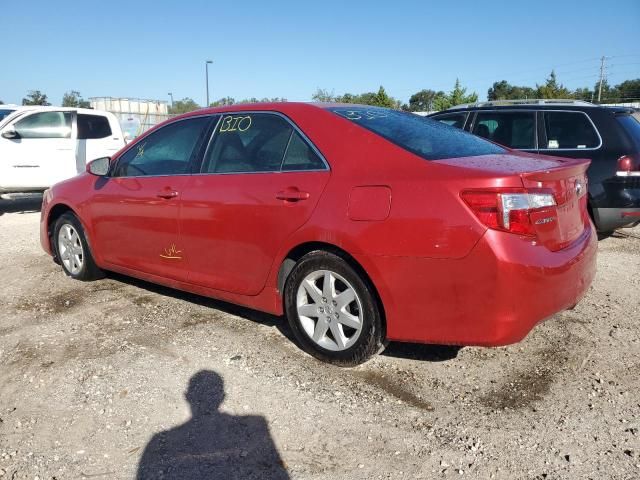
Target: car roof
[
  {"x": 46, "y": 108},
  {"x": 536, "y": 104}
]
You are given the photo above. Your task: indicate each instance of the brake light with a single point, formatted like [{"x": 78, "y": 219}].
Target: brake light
[
  {"x": 510, "y": 210},
  {"x": 627, "y": 167}
]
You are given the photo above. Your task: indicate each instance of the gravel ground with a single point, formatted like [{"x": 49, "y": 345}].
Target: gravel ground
[{"x": 100, "y": 380}]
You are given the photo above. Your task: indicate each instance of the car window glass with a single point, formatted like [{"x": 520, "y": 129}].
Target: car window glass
[
  {"x": 45, "y": 125},
  {"x": 513, "y": 129},
  {"x": 300, "y": 156},
  {"x": 455, "y": 120},
  {"x": 5, "y": 113},
  {"x": 93, "y": 126},
  {"x": 425, "y": 137},
  {"x": 166, "y": 151},
  {"x": 569, "y": 130},
  {"x": 248, "y": 142},
  {"x": 631, "y": 125}
]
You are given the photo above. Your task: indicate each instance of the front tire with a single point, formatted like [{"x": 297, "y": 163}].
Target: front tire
[
  {"x": 332, "y": 310},
  {"x": 72, "y": 249}
]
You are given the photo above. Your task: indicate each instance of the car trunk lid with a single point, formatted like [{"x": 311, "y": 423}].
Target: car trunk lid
[{"x": 554, "y": 226}]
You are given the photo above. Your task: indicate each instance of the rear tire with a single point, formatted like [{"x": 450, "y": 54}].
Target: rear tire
[
  {"x": 332, "y": 310},
  {"x": 72, "y": 249}
]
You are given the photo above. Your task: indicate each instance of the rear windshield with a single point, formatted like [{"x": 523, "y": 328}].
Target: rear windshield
[
  {"x": 631, "y": 125},
  {"x": 427, "y": 138}
]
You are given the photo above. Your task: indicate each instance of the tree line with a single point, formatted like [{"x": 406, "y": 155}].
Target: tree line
[
  {"x": 70, "y": 99},
  {"x": 423, "y": 100}
]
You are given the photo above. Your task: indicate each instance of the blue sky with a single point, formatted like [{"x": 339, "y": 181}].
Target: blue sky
[{"x": 290, "y": 48}]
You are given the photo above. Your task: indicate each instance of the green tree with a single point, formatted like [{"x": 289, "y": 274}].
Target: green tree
[
  {"x": 503, "y": 90},
  {"x": 35, "y": 97},
  {"x": 629, "y": 90},
  {"x": 552, "y": 89},
  {"x": 183, "y": 106},
  {"x": 74, "y": 99},
  {"x": 423, "y": 101},
  {"x": 585, "y": 94},
  {"x": 457, "y": 96},
  {"x": 322, "y": 95},
  {"x": 223, "y": 102}
]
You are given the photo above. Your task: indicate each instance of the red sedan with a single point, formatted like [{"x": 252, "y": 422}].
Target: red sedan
[{"x": 361, "y": 224}]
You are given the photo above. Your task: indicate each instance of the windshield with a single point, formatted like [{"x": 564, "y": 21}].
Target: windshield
[
  {"x": 631, "y": 125},
  {"x": 4, "y": 112},
  {"x": 427, "y": 138}
]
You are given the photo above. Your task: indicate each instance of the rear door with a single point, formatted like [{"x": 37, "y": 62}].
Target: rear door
[
  {"x": 135, "y": 212},
  {"x": 42, "y": 154},
  {"x": 513, "y": 129},
  {"x": 259, "y": 182}
]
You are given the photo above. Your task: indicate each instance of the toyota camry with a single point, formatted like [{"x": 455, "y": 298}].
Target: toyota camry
[{"x": 361, "y": 225}]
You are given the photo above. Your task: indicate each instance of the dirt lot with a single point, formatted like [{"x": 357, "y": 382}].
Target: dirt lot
[{"x": 91, "y": 372}]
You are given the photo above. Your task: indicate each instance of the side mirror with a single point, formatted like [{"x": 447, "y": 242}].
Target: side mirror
[
  {"x": 10, "y": 134},
  {"x": 99, "y": 166}
]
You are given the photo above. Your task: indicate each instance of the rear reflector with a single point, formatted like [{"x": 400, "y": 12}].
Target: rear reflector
[{"x": 509, "y": 210}]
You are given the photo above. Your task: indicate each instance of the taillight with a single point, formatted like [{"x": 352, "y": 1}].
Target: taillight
[
  {"x": 627, "y": 167},
  {"x": 510, "y": 210}
]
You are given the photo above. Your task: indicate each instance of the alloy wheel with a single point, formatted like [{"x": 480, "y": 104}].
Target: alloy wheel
[
  {"x": 70, "y": 248},
  {"x": 329, "y": 310}
]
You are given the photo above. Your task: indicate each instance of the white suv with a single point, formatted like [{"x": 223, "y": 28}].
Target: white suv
[{"x": 40, "y": 146}]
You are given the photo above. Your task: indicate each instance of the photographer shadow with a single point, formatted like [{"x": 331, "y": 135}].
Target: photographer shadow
[{"x": 212, "y": 445}]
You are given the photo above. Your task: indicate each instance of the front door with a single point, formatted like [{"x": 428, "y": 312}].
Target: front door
[
  {"x": 260, "y": 181},
  {"x": 136, "y": 210},
  {"x": 41, "y": 154}
]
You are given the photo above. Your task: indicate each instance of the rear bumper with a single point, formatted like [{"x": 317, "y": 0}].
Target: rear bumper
[
  {"x": 609, "y": 219},
  {"x": 620, "y": 204},
  {"x": 494, "y": 296}
]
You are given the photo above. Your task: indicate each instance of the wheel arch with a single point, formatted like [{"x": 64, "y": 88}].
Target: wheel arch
[
  {"x": 297, "y": 252},
  {"x": 54, "y": 214}
]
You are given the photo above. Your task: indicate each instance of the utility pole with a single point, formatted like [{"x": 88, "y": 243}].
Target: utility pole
[
  {"x": 206, "y": 70},
  {"x": 602, "y": 60}
]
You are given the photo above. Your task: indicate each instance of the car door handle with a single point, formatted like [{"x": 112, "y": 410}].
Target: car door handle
[
  {"x": 167, "y": 194},
  {"x": 292, "y": 195}
]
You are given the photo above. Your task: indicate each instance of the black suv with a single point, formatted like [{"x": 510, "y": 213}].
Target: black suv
[{"x": 608, "y": 136}]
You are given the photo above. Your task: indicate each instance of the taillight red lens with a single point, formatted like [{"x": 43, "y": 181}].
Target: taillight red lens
[
  {"x": 625, "y": 164},
  {"x": 508, "y": 209}
]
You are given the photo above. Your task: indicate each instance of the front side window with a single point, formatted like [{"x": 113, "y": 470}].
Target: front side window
[
  {"x": 45, "y": 125},
  {"x": 454, "y": 119},
  {"x": 167, "y": 151},
  {"x": 93, "y": 126},
  {"x": 425, "y": 137},
  {"x": 248, "y": 142},
  {"x": 571, "y": 130},
  {"x": 513, "y": 129}
]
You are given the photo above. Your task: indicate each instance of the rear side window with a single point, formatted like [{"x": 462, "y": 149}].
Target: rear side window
[
  {"x": 93, "y": 126},
  {"x": 166, "y": 151},
  {"x": 572, "y": 130},
  {"x": 248, "y": 142},
  {"x": 45, "y": 125},
  {"x": 513, "y": 129},
  {"x": 425, "y": 137},
  {"x": 300, "y": 156},
  {"x": 454, "y": 119},
  {"x": 631, "y": 125}
]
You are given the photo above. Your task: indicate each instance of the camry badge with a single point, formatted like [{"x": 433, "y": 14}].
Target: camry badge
[{"x": 579, "y": 188}]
